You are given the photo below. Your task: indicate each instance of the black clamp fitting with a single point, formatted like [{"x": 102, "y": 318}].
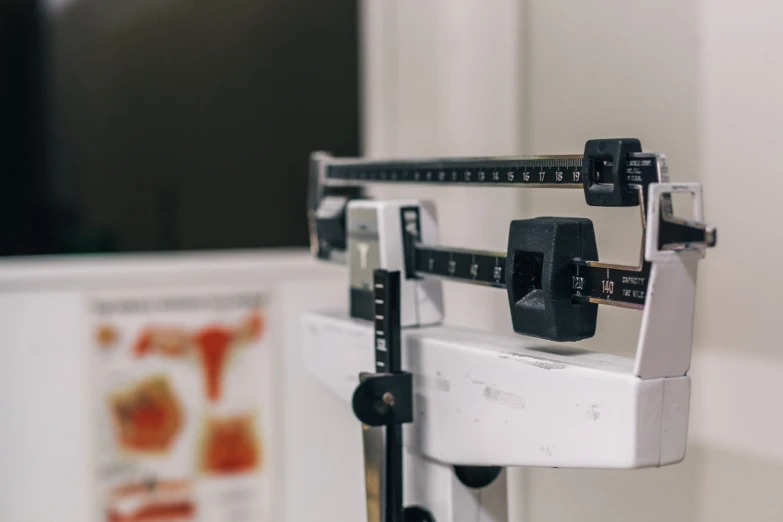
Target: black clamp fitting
[
  {"x": 603, "y": 171},
  {"x": 384, "y": 399}
]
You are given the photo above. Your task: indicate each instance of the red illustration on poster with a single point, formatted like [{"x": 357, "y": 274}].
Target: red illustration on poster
[{"x": 180, "y": 404}]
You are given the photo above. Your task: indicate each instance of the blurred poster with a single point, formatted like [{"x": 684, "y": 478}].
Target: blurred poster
[{"x": 180, "y": 391}]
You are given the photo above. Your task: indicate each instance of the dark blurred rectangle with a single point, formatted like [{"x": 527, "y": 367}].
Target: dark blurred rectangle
[{"x": 156, "y": 125}]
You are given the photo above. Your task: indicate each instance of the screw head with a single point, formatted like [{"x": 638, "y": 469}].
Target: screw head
[{"x": 388, "y": 399}]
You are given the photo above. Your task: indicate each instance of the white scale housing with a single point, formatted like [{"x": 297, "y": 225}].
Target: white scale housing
[{"x": 488, "y": 399}]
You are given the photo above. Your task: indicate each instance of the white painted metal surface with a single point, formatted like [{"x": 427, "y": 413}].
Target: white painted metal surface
[
  {"x": 375, "y": 240},
  {"x": 666, "y": 336},
  {"x": 488, "y": 399}
]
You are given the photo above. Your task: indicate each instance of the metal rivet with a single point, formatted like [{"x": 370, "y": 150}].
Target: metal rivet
[{"x": 388, "y": 399}]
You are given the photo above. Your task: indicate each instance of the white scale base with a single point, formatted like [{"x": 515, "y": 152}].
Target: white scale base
[{"x": 488, "y": 399}]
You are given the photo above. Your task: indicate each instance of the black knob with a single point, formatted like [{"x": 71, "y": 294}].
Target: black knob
[{"x": 417, "y": 514}]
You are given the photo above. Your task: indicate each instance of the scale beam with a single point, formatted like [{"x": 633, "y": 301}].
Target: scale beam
[
  {"x": 482, "y": 400},
  {"x": 611, "y": 173}
]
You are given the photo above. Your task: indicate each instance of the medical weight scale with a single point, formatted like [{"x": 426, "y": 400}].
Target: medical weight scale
[{"x": 444, "y": 409}]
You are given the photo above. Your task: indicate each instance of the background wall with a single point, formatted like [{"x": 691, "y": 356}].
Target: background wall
[
  {"x": 447, "y": 81},
  {"x": 697, "y": 80}
]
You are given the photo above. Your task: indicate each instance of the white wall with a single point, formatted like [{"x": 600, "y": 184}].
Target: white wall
[
  {"x": 444, "y": 82},
  {"x": 697, "y": 80},
  {"x": 49, "y": 451},
  {"x": 622, "y": 69},
  {"x": 700, "y": 82}
]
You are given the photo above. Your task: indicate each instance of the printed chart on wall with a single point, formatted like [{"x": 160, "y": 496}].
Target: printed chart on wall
[{"x": 180, "y": 394}]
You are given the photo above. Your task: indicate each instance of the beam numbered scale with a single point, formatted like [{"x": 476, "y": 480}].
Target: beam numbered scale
[{"x": 489, "y": 400}]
